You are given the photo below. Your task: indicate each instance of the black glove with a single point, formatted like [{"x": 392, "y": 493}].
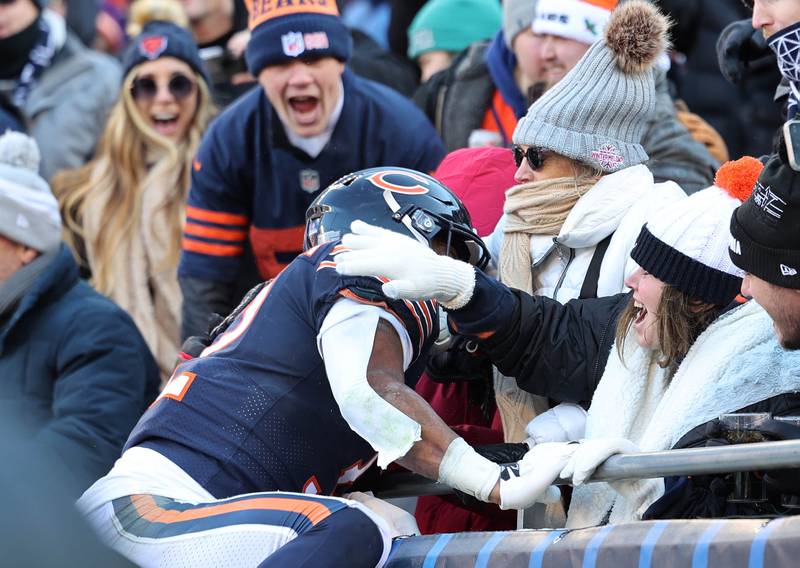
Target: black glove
[
  {"x": 738, "y": 47},
  {"x": 785, "y": 481},
  {"x": 503, "y": 453},
  {"x": 463, "y": 361},
  {"x": 498, "y": 453},
  {"x": 193, "y": 346}
]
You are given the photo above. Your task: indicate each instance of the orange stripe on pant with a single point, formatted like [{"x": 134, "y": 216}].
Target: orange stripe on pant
[{"x": 148, "y": 509}]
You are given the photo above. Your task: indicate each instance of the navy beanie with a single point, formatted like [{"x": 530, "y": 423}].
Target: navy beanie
[
  {"x": 163, "y": 39},
  {"x": 283, "y": 30}
]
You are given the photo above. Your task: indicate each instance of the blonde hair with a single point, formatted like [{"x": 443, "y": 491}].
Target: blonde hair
[
  {"x": 143, "y": 11},
  {"x": 116, "y": 175}
]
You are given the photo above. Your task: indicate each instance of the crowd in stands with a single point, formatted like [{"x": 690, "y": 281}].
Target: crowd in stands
[{"x": 627, "y": 171}]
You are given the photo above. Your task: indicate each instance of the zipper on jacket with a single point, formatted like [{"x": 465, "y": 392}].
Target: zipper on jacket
[{"x": 564, "y": 272}]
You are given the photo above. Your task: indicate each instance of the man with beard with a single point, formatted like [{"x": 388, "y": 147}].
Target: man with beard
[
  {"x": 565, "y": 30},
  {"x": 766, "y": 244}
]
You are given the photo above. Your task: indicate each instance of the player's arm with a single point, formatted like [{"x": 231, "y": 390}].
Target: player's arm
[{"x": 365, "y": 358}]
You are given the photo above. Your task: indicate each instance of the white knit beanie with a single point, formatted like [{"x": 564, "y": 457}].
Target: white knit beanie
[
  {"x": 28, "y": 211},
  {"x": 597, "y": 114},
  {"x": 686, "y": 243},
  {"x": 581, "y": 20}
]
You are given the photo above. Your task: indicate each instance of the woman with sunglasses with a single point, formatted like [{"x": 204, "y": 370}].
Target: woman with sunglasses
[
  {"x": 583, "y": 190},
  {"x": 659, "y": 364},
  {"x": 123, "y": 211}
]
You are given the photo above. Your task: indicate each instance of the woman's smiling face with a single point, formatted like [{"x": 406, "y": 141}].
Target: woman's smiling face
[
  {"x": 647, "y": 290},
  {"x": 166, "y": 94}
]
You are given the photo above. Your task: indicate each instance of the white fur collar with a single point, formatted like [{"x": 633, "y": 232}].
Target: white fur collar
[
  {"x": 600, "y": 210},
  {"x": 737, "y": 350}
]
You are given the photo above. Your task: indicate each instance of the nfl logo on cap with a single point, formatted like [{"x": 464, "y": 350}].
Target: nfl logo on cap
[{"x": 293, "y": 44}]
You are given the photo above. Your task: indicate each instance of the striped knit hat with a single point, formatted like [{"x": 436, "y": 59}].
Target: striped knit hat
[
  {"x": 686, "y": 243},
  {"x": 28, "y": 211},
  {"x": 284, "y": 31},
  {"x": 598, "y": 112}
]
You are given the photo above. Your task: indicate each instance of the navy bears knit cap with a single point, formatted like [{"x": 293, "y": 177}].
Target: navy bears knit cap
[
  {"x": 766, "y": 228},
  {"x": 284, "y": 30},
  {"x": 163, "y": 39}
]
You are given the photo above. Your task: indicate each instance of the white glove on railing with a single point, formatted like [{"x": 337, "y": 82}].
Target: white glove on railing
[
  {"x": 415, "y": 271},
  {"x": 532, "y": 481},
  {"x": 591, "y": 453},
  {"x": 563, "y": 423},
  {"x": 522, "y": 483}
]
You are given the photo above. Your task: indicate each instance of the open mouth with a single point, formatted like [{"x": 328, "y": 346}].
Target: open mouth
[
  {"x": 165, "y": 123},
  {"x": 641, "y": 313},
  {"x": 303, "y": 105}
]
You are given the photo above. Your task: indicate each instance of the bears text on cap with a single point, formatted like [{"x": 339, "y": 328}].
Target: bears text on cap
[{"x": 264, "y": 10}]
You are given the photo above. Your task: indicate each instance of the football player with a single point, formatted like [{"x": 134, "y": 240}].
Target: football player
[{"x": 309, "y": 385}]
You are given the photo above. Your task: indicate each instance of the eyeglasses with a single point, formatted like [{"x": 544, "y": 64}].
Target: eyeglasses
[
  {"x": 534, "y": 156},
  {"x": 145, "y": 88}
]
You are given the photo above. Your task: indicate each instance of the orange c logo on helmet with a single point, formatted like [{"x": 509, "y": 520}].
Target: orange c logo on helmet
[{"x": 379, "y": 180}]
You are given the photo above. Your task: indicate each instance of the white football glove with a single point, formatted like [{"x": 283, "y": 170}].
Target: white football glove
[
  {"x": 400, "y": 522},
  {"x": 531, "y": 481},
  {"x": 522, "y": 483},
  {"x": 415, "y": 271},
  {"x": 563, "y": 423},
  {"x": 591, "y": 453}
]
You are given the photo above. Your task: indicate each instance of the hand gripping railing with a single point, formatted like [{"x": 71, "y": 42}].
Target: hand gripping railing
[{"x": 691, "y": 461}]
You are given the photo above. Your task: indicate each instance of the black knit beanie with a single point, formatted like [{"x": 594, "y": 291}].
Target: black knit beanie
[{"x": 766, "y": 228}]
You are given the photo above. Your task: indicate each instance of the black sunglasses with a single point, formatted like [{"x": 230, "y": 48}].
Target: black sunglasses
[
  {"x": 145, "y": 88},
  {"x": 535, "y": 156}
]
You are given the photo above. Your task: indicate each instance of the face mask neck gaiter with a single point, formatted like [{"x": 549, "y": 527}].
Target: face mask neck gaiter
[
  {"x": 16, "y": 50},
  {"x": 786, "y": 45}
]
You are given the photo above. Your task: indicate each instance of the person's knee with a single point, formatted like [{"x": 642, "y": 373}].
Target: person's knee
[{"x": 358, "y": 538}]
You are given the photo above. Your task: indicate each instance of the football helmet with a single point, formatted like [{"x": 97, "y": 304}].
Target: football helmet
[{"x": 400, "y": 200}]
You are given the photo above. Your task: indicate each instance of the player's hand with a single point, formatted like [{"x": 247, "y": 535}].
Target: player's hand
[
  {"x": 401, "y": 523},
  {"x": 415, "y": 272},
  {"x": 563, "y": 423},
  {"x": 591, "y": 453},
  {"x": 503, "y": 453},
  {"x": 530, "y": 480}
]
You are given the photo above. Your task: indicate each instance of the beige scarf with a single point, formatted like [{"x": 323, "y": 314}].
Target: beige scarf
[
  {"x": 538, "y": 208},
  {"x": 146, "y": 283}
]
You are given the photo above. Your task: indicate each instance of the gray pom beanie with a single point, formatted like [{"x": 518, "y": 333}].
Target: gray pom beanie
[
  {"x": 28, "y": 211},
  {"x": 517, "y": 16},
  {"x": 598, "y": 112}
]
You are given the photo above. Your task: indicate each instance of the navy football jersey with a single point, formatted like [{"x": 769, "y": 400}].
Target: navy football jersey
[{"x": 255, "y": 411}]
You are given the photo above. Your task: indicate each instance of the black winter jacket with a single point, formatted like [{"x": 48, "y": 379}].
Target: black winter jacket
[
  {"x": 706, "y": 496},
  {"x": 561, "y": 351},
  {"x": 76, "y": 370},
  {"x": 554, "y": 350}
]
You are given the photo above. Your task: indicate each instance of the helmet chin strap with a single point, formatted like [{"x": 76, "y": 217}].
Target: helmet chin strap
[{"x": 394, "y": 207}]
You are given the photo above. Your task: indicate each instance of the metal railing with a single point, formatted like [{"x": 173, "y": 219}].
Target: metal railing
[{"x": 690, "y": 461}]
